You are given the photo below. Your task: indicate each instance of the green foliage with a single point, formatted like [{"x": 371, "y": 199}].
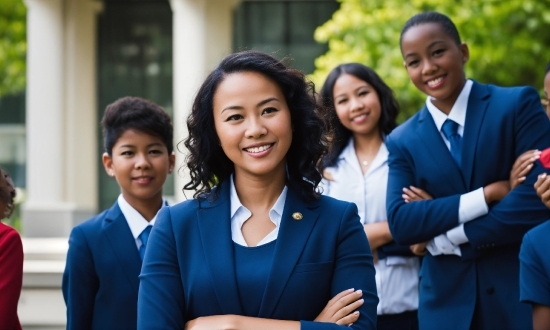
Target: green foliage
[
  {"x": 509, "y": 41},
  {"x": 13, "y": 46}
]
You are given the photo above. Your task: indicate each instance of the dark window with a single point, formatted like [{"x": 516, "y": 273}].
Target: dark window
[
  {"x": 134, "y": 59},
  {"x": 283, "y": 28},
  {"x": 12, "y": 137}
]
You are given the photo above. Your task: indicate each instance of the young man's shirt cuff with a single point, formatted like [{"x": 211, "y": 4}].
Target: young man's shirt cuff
[
  {"x": 472, "y": 205},
  {"x": 457, "y": 235}
]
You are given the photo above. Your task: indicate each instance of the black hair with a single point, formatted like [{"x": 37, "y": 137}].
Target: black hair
[
  {"x": 547, "y": 68},
  {"x": 7, "y": 195},
  {"x": 138, "y": 114},
  {"x": 432, "y": 17},
  {"x": 207, "y": 161},
  {"x": 340, "y": 134}
]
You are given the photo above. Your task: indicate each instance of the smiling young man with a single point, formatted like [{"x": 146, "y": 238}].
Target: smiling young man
[
  {"x": 100, "y": 282},
  {"x": 460, "y": 149}
]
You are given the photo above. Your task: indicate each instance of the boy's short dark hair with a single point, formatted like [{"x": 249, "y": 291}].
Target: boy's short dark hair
[
  {"x": 432, "y": 17},
  {"x": 547, "y": 68},
  {"x": 137, "y": 114}
]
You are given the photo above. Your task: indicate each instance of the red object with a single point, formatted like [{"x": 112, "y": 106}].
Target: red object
[
  {"x": 11, "y": 276},
  {"x": 545, "y": 158}
]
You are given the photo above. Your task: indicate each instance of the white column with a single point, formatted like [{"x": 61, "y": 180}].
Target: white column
[
  {"x": 202, "y": 34},
  {"x": 81, "y": 120},
  {"x": 61, "y": 175}
]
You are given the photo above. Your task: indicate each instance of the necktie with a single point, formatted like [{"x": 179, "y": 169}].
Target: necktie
[
  {"x": 450, "y": 130},
  {"x": 144, "y": 236}
]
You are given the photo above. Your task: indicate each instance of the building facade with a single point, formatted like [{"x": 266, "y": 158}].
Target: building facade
[{"x": 85, "y": 54}]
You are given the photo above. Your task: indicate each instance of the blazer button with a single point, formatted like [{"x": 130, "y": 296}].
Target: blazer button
[{"x": 490, "y": 290}]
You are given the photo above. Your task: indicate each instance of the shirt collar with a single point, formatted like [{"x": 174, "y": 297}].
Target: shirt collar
[
  {"x": 136, "y": 221},
  {"x": 275, "y": 213},
  {"x": 458, "y": 111}
]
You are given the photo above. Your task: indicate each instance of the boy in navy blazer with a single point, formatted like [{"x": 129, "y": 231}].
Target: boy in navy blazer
[
  {"x": 534, "y": 272},
  {"x": 460, "y": 149},
  {"x": 100, "y": 282}
]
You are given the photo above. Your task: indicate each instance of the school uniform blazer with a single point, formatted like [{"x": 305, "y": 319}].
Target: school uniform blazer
[
  {"x": 501, "y": 123},
  {"x": 100, "y": 282},
  {"x": 189, "y": 265},
  {"x": 11, "y": 276}
]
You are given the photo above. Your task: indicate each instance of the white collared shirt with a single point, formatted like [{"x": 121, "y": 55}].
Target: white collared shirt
[
  {"x": 136, "y": 221},
  {"x": 240, "y": 214},
  {"x": 472, "y": 205},
  {"x": 396, "y": 277}
]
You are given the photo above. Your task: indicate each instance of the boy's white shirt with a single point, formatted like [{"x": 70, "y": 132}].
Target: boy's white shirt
[
  {"x": 472, "y": 205},
  {"x": 136, "y": 221}
]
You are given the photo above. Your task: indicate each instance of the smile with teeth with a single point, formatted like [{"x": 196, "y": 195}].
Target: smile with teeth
[
  {"x": 434, "y": 82},
  {"x": 360, "y": 117},
  {"x": 255, "y": 150}
]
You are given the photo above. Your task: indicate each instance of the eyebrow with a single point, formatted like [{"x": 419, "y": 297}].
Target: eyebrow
[
  {"x": 429, "y": 46},
  {"x": 355, "y": 90},
  {"x": 148, "y": 146},
  {"x": 238, "y": 107}
]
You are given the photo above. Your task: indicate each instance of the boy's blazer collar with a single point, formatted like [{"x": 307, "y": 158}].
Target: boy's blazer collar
[
  {"x": 215, "y": 230},
  {"x": 123, "y": 244},
  {"x": 477, "y": 107}
]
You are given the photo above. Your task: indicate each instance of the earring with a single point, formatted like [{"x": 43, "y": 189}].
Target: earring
[{"x": 111, "y": 174}]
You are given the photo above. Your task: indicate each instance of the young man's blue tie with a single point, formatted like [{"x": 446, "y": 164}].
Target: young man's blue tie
[
  {"x": 144, "y": 236},
  {"x": 450, "y": 130}
]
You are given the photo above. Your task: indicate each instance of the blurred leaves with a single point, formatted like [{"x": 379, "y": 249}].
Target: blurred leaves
[
  {"x": 509, "y": 41},
  {"x": 13, "y": 46}
]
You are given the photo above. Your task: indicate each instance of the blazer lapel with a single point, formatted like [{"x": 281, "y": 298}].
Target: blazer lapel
[
  {"x": 215, "y": 230},
  {"x": 292, "y": 238},
  {"x": 438, "y": 150},
  {"x": 123, "y": 244},
  {"x": 477, "y": 106}
]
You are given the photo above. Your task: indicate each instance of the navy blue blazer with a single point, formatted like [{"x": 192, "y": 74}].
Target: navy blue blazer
[
  {"x": 501, "y": 124},
  {"x": 100, "y": 282},
  {"x": 189, "y": 270}
]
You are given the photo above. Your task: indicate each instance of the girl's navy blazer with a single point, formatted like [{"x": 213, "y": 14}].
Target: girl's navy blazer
[{"x": 189, "y": 268}]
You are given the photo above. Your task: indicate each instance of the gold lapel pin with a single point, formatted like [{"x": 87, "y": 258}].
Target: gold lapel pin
[{"x": 297, "y": 216}]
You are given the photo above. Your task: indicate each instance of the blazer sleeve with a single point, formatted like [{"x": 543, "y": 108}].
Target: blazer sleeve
[
  {"x": 11, "y": 277},
  {"x": 521, "y": 209},
  {"x": 534, "y": 280},
  {"x": 161, "y": 303},
  {"x": 354, "y": 268},
  {"x": 80, "y": 282},
  {"x": 417, "y": 222},
  {"x": 394, "y": 249}
]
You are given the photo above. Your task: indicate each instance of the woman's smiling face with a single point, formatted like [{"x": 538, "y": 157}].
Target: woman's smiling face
[
  {"x": 253, "y": 123},
  {"x": 357, "y": 105},
  {"x": 435, "y": 63}
]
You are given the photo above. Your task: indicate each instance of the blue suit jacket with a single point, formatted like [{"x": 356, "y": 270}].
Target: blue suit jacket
[
  {"x": 189, "y": 268},
  {"x": 100, "y": 282},
  {"x": 501, "y": 123}
]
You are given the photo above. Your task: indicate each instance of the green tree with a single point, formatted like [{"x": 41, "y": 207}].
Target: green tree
[
  {"x": 13, "y": 46},
  {"x": 509, "y": 41}
]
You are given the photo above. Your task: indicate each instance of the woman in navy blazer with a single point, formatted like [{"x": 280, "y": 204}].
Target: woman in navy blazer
[{"x": 262, "y": 249}]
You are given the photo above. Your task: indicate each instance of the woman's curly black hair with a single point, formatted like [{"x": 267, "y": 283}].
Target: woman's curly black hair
[
  {"x": 208, "y": 165},
  {"x": 7, "y": 194},
  {"x": 341, "y": 135}
]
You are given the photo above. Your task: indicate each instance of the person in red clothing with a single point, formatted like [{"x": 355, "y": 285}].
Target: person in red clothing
[{"x": 11, "y": 259}]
